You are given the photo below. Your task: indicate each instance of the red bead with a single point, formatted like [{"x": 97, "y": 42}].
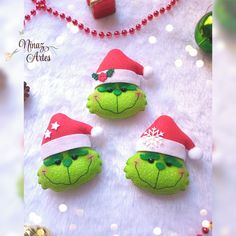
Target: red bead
[
  {"x": 150, "y": 17},
  {"x": 87, "y": 30},
  {"x": 55, "y": 13},
  {"x": 62, "y": 15},
  {"x": 68, "y": 19},
  {"x": 168, "y": 7},
  {"x": 81, "y": 26},
  {"x": 138, "y": 27},
  {"x": 162, "y": 10},
  {"x": 49, "y": 10},
  {"x": 75, "y": 22},
  {"x": 144, "y": 21},
  {"x": 156, "y": 13},
  {"x": 205, "y": 230},
  {"x": 33, "y": 12},
  {"x": 27, "y": 17},
  {"x": 94, "y": 33},
  {"x": 116, "y": 33},
  {"x": 124, "y": 32},
  {"x": 173, "y": 2},
  {"x": 131, "y": 30},
  {"x": 101, "y": 35},
  {"x": 109, "y": 35}
]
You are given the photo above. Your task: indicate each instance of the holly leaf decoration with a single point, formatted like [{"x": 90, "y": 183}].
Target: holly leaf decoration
[
  {"x": 110, "y": 72},
  {"x": 95, "y": 76}
]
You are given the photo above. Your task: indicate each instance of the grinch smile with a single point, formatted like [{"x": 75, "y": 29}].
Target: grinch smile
[
  {"x": 69, "y": 176},
  {"x": 155, "y": 186},
  {"x": 117, "y": 105}
]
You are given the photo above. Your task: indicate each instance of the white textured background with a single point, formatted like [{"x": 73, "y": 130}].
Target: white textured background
[{"x": 64, "y": 84}]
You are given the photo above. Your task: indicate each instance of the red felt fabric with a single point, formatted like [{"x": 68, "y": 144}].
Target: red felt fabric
[
  {"x": 67, "y": 126},
  {"x": 171, "y": 131},
  {"x": 116, "y": 59}
]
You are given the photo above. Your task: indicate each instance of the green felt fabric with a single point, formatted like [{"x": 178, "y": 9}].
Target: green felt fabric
[
  {"x": 117, "y": 101},
  {"x": 69, "y": 169},
  {"x": 157, "y": 173}
]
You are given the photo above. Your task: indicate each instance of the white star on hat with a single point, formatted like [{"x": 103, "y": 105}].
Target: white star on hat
[
  {"x": 55, "y": 125},
  {"x": 47, "y": 134}
]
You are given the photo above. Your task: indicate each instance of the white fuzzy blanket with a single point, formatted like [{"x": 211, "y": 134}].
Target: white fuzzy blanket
[{"x": 63, "y": 85}]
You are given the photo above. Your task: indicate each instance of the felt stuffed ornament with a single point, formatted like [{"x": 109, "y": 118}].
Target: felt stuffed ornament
[
  {"x": 159, "y": 164},
  {"x": 68, "y": 159},
  {"x": 117, "y": 93}
]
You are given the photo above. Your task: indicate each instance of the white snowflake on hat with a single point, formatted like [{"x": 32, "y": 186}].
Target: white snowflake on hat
[
  {"x": 64, "y": 133},
  {"x": 118, "y": 68},
  {"x": 164, "y": 136},
  {"x": 153, "y": 138}
]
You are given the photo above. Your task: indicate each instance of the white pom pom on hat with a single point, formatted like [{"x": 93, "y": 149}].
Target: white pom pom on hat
[
  {"x": 195, "y": 153},
  {"x": 147, "y": 72},
  {"x": 96, "y": 131}
]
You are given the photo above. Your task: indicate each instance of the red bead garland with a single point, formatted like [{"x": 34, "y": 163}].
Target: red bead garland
[{"x": 41, "y": 5}]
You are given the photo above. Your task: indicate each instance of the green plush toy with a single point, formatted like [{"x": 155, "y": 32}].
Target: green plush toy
[
  {"x": 68, "y": 160},
  {"x": 117, "y": 93},
  {"x": 158, "y": 166}
]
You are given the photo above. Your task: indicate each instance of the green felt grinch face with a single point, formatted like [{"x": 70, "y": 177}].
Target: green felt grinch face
[
  {"x": 157, "y": 173},
  {"x": 117, "y": 100},
  {"x": 69, "y": 169}
]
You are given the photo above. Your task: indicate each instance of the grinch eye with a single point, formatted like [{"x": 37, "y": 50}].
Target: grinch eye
[
  {"x": 168, "y": 164},
  {"x": 109, "y": 90},
  {"x": 123, "y": 89},
  {"x": 151, "y": 161},
  {"x": 58, "y": 162},
  {"x": 74, "y": 157}
]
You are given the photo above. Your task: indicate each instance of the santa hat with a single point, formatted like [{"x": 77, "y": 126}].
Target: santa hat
[
  {"x": 64, "y": 133},
  {"x": 118, "y": 68},
  {"x": 164, "y": 136}
]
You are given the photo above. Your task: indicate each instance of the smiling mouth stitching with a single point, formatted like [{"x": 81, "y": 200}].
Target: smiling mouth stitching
[
  {"x": 117, "y": 105},
  {"x": 68, "y": 184},
  {"x": 155, "y": 186}
]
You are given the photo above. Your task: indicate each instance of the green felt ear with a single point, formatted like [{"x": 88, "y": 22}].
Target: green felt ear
[
  {"x": 152, "y": 172},
  {"x": 117, "y": 101},
  {"x": 69, "y": 173}
]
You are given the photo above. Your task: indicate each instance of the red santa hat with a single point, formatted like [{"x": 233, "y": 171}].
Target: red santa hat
[
  {"x": 164, "y": 136},
  {"x": 64, "y": 133},
  {"x": 118, "y": 68}
]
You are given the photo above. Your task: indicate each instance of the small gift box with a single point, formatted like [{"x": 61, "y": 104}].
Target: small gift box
[{"x": 102, "y": 8}]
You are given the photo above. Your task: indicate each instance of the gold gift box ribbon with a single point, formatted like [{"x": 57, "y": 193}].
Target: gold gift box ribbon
[{"x": 94, "y": 2}]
